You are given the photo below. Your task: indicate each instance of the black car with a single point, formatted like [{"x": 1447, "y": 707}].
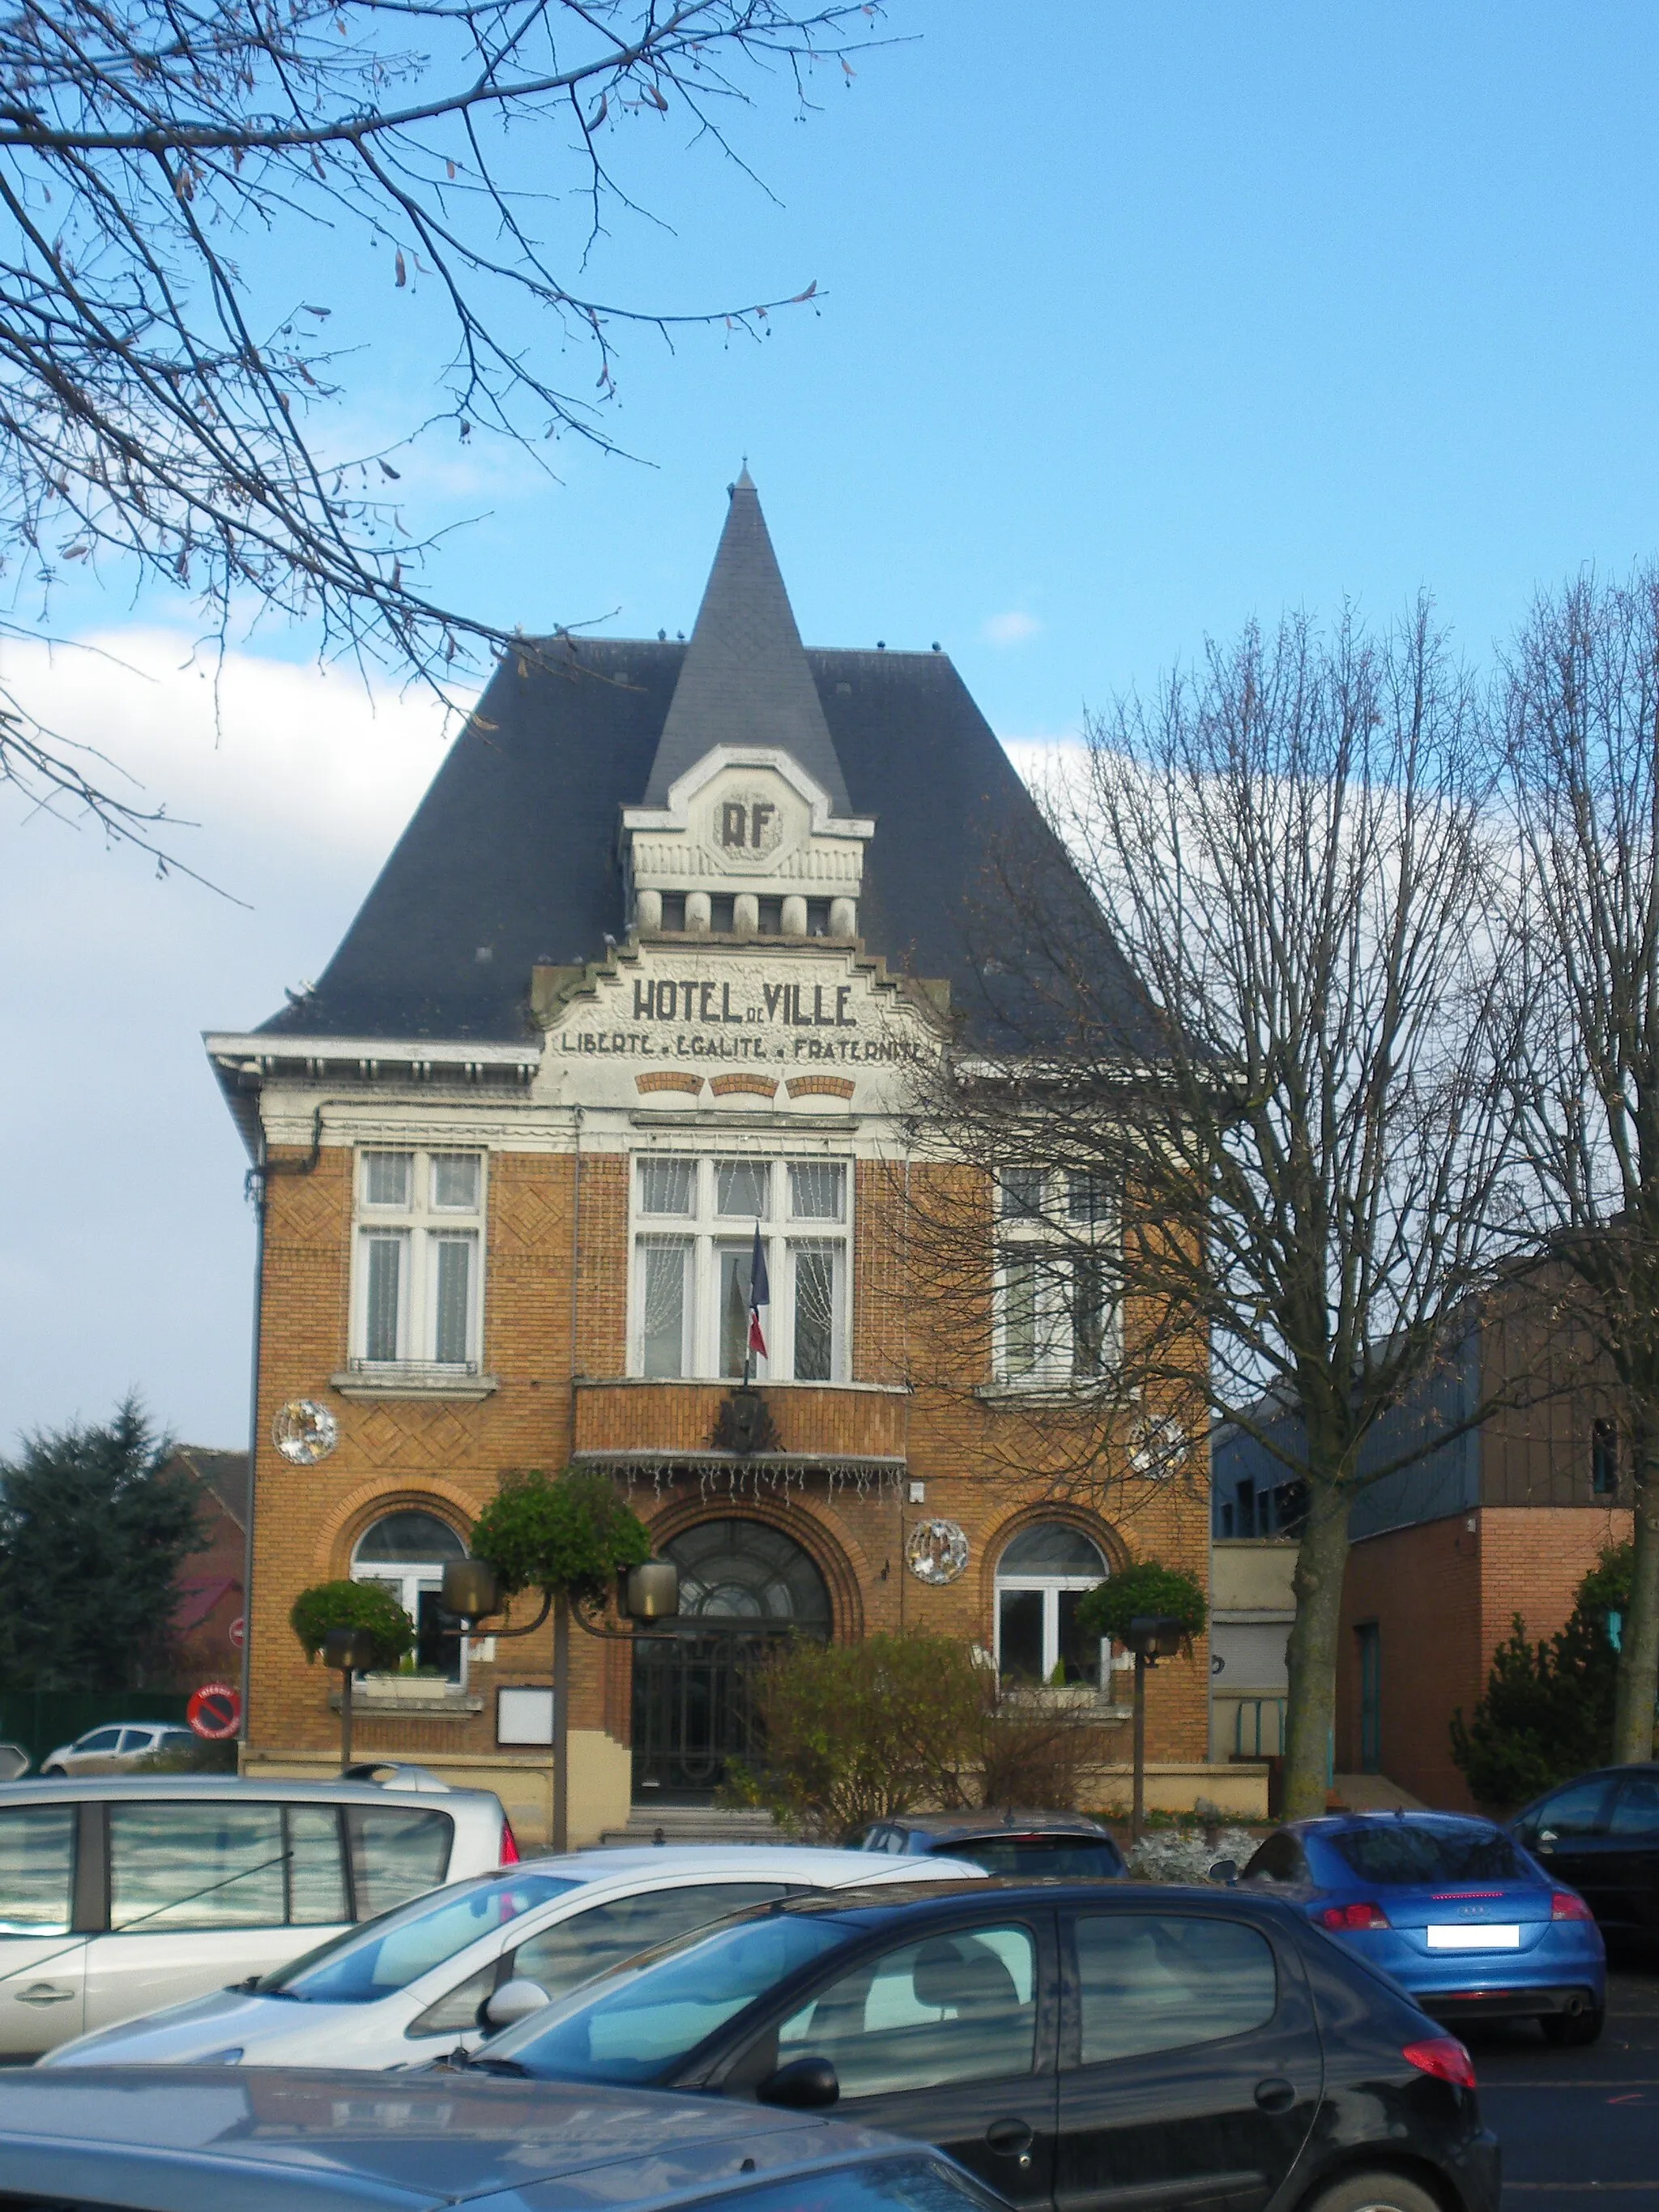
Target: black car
[
  {"x": 1026, "y": 1846},
  {"x": 1601, "y": 1834},
  {"x": 1084, "y": 2047}
]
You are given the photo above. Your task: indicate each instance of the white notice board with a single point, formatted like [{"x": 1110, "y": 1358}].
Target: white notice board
[{"x": 523, "y": 1716}]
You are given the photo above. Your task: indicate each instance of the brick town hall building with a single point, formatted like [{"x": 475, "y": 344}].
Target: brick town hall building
[{"x": 655, "y": 961}]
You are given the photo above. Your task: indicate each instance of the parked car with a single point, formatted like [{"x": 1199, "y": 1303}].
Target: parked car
[
  {"x": 117, "y": 1749},
  {"x": 1085, "y": 2045},
  {"x": 1026, "y": 1846},
  {"x": 1471, "y": 1926},
  {"x": 257, "y": 2141},
  {"x": 14, "y": 1762},
  {"x": 451, "y": 1969},
  {"x": 1601, "y": 1834},
  {"x": 124, "y": 1893}
]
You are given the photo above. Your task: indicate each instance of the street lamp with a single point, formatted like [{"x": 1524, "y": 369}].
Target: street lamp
[
  {"x": 1151, "y": 1637},
  {"x": 347, "y": 1649},
  {"x": 647, "y": 1595}
]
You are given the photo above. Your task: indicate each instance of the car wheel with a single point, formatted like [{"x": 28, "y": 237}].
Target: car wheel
[
  {"x": 1569, "y": 2030},
  {"x": 1374, "y": 2192}
]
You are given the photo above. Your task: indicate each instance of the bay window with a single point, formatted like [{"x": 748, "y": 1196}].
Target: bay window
[{"x": 695, "y": 1222}]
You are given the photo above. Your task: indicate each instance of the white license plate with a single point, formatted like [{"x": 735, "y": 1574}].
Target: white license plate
[{"x": 1479, "y": 1935}]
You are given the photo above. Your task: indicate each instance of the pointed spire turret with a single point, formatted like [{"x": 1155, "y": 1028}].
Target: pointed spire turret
[{"x": 744, "y": 680}]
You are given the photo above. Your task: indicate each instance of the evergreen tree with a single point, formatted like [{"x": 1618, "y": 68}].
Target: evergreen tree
[
  {"x": 1548, "y": 1709},
  {"x": 93, "y": 1530}
]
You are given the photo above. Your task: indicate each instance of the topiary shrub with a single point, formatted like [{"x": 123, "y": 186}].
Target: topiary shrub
[
  {"x": 570, "y": 1535},
  {"x": 367, "y": 1606},
  {"x": 1144, "y": 1587}
]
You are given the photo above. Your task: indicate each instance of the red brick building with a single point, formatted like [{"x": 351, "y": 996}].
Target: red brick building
[
  {"x": 648, "y": 977},
  {"x": 1502, "y": 1517},
  {"x": 208, "y": 1624}
]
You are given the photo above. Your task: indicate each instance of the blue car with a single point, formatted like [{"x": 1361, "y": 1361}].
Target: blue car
[{"x": 1451, "y": 1909}]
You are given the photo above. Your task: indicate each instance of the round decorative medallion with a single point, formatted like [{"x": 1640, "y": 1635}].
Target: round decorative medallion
[
  {"x": 304, "y": 1432},
  {"x": 1158, "y": 1446},
  {"x": 936, "y": 1552}
]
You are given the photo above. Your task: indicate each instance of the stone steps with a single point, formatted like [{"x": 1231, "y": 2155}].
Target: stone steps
[{"x": 693, "y": 1824}]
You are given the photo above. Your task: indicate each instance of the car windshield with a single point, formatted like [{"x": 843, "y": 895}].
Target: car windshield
[
  {"x": 1398, "y": 1851},
  {"x": 895, "y": 2184},
  {"x": 639, "y": 2021},
  {"x": 1069, "y": 1858},
  {"x": 388, "y": 1953}
]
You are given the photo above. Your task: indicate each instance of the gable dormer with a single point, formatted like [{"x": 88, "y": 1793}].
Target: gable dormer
[
  {"x": 746, "y": 824},
  {"x": 747, "y": 841}
]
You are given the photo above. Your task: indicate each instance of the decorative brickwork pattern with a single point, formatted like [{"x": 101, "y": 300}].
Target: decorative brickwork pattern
[
  {"x": 735, "y": 1086},
  {"x": 819, "y": 1086}
]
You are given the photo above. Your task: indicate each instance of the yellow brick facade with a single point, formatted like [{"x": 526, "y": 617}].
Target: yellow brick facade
[
  {"x": 751, "y": 832},
  {"x": 556, "y": 1344}
]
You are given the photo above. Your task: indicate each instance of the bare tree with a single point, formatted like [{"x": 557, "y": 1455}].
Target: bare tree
[
  {"x": 163, "y": 408},
  {"x": 1581, "y": 697},
  {"x": 1265, "y": 1024}
]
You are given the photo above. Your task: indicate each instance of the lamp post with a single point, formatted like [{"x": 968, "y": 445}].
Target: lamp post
[
  {"x": 346, "y": 1649},
  {"x": 647, "y": 1595},
  {"x": 1151, "y": 1637}
]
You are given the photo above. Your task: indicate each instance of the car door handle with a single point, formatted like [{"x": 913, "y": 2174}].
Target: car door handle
[
  {"x": 1275, "y": 2094},
  {"x": 45, "y": 1993},
  {"x": 1011, "y": 2139}
]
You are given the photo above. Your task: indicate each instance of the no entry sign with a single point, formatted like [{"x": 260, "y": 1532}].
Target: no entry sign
[{"x": 213, "y": 1711}]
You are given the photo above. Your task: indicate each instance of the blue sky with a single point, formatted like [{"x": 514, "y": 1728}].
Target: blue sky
[{"x": 1132, "y": 323}]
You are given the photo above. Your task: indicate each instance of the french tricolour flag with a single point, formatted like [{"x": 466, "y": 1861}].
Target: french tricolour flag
[{"x": 760, "y": 1294}]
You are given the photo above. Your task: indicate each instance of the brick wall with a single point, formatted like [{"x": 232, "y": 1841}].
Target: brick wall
[
  {"x": 991, "y": 1466},
  {"x": 1442, "y": 1595}
]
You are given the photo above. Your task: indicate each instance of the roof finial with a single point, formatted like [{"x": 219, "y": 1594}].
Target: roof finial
[{"x": 745, "y": 482}]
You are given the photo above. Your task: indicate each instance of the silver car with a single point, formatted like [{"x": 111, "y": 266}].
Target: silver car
[
  {"x": 117, "y": 1749},
  {"x": 118, "y": 1894},
  {"x": 198, "y": 2139}
]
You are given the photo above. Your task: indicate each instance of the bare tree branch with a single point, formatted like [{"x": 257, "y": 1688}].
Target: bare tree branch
[
  {"x": 152, "y": 424},
  {"x": 1264, "y": 1032}
]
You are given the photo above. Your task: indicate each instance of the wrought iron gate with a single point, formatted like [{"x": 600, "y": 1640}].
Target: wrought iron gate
[{"x": 694, "y": 1707}]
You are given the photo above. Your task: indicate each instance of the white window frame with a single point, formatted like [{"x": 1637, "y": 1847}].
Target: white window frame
[
  {"x": 422, "y": 1225},
  {"x": 407, "y": 1580},
  {"x": 1049, "y": 1586},
  {"x": 707, "y": 1234},
  {"x": 1057, "y": 1230}
]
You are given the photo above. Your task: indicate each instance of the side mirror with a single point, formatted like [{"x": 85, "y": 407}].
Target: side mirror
[
  {"x": 514, "y": 2000},
  {"x": 805, "y": 2085},
  {"x": 1546, "y": 1837},
  {"x": 1224, "y": 1871}
]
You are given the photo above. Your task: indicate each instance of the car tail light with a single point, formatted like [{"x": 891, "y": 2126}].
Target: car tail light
[
  {"x": 509, "y": 1844},
  {"x": 1565, "y": 1904},
  {"x": 1340, "y": 1919},
  {"x": 1443, "y": 2056}
]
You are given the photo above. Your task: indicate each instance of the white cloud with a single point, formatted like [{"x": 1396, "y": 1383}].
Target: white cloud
[
  {"x": 127, "y": 1249},
  {"x": 1014, "y": 628}
]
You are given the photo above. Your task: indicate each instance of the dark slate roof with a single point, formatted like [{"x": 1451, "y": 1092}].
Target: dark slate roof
[
  {"x": 745, "y": 681},
  {"x": 513, "y": 848},
  {"x": 511, "y": 860}
]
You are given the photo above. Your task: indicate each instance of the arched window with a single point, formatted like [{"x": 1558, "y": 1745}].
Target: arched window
[
  {"x": 743, "y": 1571},
  {"x": 1040, "y": 1579},
  {"x": 407, "y": 1552}
]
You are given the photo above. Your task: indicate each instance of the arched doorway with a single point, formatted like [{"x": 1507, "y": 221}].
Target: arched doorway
[
  {"x": 744, "y": 1589},
  {"x": 407, "y": 1552}
]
